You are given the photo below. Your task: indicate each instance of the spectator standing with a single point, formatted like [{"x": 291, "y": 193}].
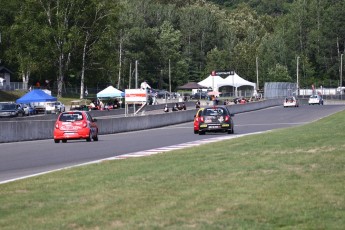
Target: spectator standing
[{"x": 197, "y": 104}]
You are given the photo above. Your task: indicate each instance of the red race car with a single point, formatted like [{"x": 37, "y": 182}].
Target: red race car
[
  {"x": 75, "y": 125},
  {"x": 197, "y": 120}
]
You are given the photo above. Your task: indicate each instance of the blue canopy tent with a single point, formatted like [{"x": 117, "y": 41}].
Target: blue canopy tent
[{"x": 36, "y": 95}]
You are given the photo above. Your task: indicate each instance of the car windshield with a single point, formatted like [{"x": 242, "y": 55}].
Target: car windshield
[
  {"x": 7, "y": 106},
  {"x": 214, "y": 112},
  {"x": 70, "y": 117}
]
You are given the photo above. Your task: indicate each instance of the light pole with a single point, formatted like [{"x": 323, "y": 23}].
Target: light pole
[
  {"x": 297, "y": 76},
  {"x": 341, "y": 71},
  {"x": 257, "y": 74},
  {"x": 169, "y": 78},
  {"x": 136, "y": 74}
]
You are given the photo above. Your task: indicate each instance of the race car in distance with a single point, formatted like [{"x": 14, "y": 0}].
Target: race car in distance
[
  {"x": 196, "y": 120},
  {"x": 315, "y": 99},
  {"x": 75, "y": 125},
  {"x": 291, "y": 102},
  {"x": 215, "y": 119}
]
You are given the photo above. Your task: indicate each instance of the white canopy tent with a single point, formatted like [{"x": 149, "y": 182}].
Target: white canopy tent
[
  {"x": 110, "y": 91},
  {"x": 213, "y": 82},
  {"x": 236, "y": 81}
]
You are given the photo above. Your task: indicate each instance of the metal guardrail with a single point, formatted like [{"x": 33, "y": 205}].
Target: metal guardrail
[{"x": 14, "y": 86}]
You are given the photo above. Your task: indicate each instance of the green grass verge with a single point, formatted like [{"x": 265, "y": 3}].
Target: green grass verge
[
  {"x": 285, "y": 179},
  {"x": 16, "y": 94},
  {"x": 11, "y": 95}
]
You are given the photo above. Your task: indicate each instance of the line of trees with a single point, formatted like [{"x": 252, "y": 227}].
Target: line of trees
[{"x": 96, "y": 42}]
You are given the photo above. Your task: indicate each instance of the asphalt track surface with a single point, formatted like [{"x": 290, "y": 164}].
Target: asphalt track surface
[{"x": 24, "y": 159}]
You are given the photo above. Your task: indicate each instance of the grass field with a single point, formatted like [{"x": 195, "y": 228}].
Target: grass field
[
  {"x": 285, "y": 179},
  {"x": 10, "y": 95},
  {"x": 16, "y": 94}
]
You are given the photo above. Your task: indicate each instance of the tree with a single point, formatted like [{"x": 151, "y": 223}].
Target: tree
[
  {"x": 20, "y": 52},
  {"x": 217, "y": 60},
  {"x": 58, "y": 39},
  {"x": 271, "y": 51},
  {"x": 61, "y": 31},
  {"x": 168, "y": 43},
  {"x": 279, "y": 74},
  {"x": 92, "y": 24},
  {"x": 248, "y": 30},
  {"x": 198, "y": 26}
]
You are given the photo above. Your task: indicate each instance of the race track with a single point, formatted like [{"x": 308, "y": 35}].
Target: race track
[{"x": 33, "y": 157}]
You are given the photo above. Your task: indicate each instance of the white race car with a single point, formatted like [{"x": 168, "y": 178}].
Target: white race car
[
  {"x": 291, "y": 102},
  {"x": 315, "y": 99}
]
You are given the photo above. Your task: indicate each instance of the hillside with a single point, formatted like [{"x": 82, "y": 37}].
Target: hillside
[{"x": 10, "y": 95}]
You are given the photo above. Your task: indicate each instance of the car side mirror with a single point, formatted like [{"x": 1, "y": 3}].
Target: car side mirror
[
  {"x": 94, "y": 119},
  {"x": 232, "y": 115}
]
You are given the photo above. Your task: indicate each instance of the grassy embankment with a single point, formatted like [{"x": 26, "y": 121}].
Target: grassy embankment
[
  {"x": 289, "y": 179},
  {"x": 10, "y": 95},
  {"x": 14, "y": 95}
]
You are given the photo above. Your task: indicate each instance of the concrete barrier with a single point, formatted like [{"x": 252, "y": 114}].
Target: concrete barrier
[{"x": 36, "y": 129}]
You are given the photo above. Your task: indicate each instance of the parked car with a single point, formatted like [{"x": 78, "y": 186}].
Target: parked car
[
  {"x": 315, "y": 99},
  {"x": 75, "y": 125},
  {"x": 163, "y": 94},
  {"x": 290, "y": 102},
  {"x": 60, "y": 106},
  {"x": 50, "y": 107},
  {"x": 216, "y": 119},
  {"x": 28, "y": 109},
  {"x": 40, "y": 107},
  {"x": 200, "y": 95},
  {"x": 10, "y": 109},
  {"x": 79, "y": 105},
  {"x": 197, "y": 120}
]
